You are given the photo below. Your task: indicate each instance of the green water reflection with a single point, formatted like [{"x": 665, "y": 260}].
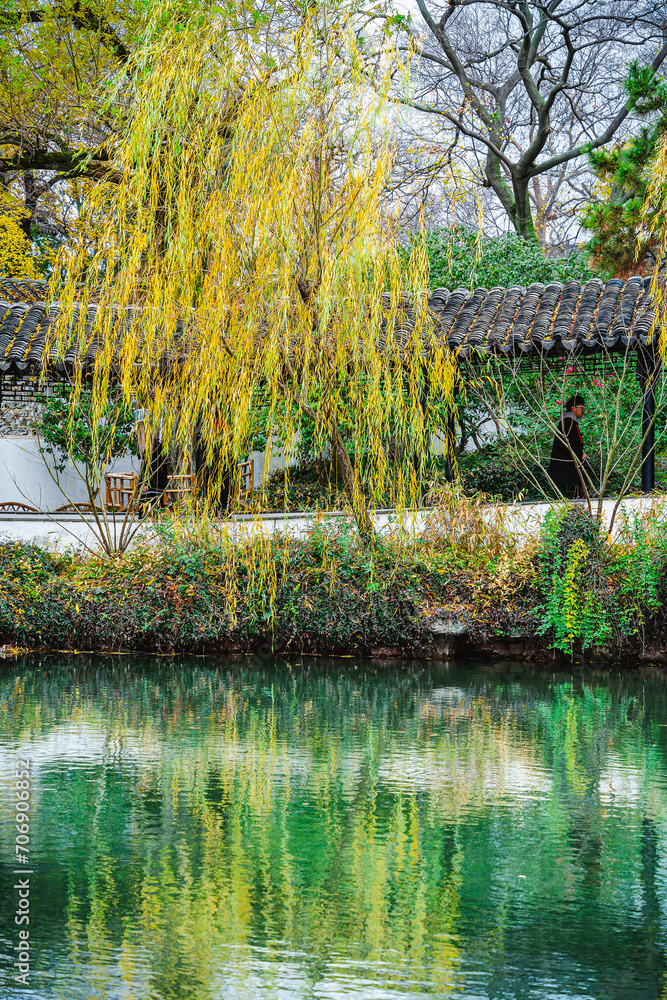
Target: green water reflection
[{"x": 207, "y": 829}]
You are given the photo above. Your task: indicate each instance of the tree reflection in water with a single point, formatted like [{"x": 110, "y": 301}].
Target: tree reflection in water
[{"x": 211, "y": 829}]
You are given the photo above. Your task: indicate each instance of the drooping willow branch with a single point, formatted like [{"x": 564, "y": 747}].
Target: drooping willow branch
[{"x": 249, "y": 230}]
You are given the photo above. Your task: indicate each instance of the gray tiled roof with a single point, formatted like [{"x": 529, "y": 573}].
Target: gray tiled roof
[
  {"x": 554, "y": 320},
  {"x": 23, "y": 290}
]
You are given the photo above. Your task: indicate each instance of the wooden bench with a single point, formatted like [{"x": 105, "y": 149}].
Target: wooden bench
[
  {"x": 17, "y": 507},
  {"x": 77, "y": 508},
  {"x": 121, "y": 487}
]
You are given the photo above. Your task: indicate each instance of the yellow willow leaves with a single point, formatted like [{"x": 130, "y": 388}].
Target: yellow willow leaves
[
  {"x": 655, "y": 217},
  {"x": 243, "y": 262},
  {"x": 16, "y": 259}
]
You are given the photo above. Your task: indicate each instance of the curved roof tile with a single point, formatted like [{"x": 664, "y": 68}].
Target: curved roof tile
[
  {"x": 559, "y": 319},
  {"x": 570, "y": 317}
]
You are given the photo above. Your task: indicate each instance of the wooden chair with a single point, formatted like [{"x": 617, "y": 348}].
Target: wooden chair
[
  {"x": 179, "y": 489},
  {"x": 120, "y": 489},
  {"x": 247, "y": 470},
  {"x": 16, "y": 507}
]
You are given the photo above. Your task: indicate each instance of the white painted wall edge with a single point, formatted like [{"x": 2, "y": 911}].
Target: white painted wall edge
[{"x": 522, "y": 520}]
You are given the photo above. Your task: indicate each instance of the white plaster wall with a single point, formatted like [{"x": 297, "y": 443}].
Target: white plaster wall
[
  {"x": 24, "y": 476},
  {"x": 523, "y": 520},
  {"x": 276, "y": 461}
]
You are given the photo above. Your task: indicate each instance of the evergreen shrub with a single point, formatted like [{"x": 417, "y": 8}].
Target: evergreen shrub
[
  {"x": 597, "y": 593},
  {"x": 202, "y": 594},
  {"x": 461, "y": 258}
]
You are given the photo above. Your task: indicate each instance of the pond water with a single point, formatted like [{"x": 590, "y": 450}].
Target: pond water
[{"x": 247, "y": 830}]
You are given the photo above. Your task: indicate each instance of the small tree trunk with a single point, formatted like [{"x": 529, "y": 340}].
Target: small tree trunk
[
  {"x": 359, "y": 508},
  {"x": 522, "y": 216},
  {"x": 514, "y": 198}
]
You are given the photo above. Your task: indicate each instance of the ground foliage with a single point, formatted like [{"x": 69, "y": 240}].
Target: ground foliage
[
  {"x": 316, "y": 485},
  {"x": 494, "y": 471},
  {"x": 330, "y": 592},
  {"x": 491, "y": 471},
  {"x": 310, "y": 485},
  {"x": 201, "y": 592}
]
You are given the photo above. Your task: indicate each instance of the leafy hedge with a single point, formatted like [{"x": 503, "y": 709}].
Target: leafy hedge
[
  {"x": 459, "y": 258},
  {"x": 184, "y": 600},
  {"x": 328, "y": 593},
  {"x": 310, "y": 485},
  {"x": 324, "y": 593},
  {"x": 494, "y": 471}
]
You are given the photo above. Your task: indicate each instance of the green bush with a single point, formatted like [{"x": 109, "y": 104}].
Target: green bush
[
  {"x": 562, "y": 528},
  {"x": 309, "y": 485},
  {"x": 203, "y": 594},
  {"x": 596, "y": 593},
  {"x": 25, "y": 561},
  {"x": 460, "y": 258},
  {"x": 493, "y": 471},
  {"x": 573, "y": 560},
  {"x": 330, "y": 593},
  {"x": 638, "y": 565}
]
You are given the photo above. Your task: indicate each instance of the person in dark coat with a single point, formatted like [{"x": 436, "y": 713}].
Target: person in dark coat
[{"x": 567, "y": 453}]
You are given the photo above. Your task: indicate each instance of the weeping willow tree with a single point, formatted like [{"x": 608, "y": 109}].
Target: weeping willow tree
[
  {"x": 654, "y": 217},
  {"x": 243, "y": 238}
]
